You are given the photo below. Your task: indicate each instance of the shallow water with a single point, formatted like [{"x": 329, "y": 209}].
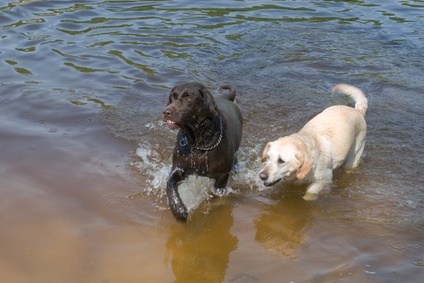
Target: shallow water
[{"x": 84, "y": 155}]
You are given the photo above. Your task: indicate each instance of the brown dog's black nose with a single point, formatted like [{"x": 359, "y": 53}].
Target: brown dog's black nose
[
  {"x": 263, "y": 176},
  {"x": 167, "y": 112}
]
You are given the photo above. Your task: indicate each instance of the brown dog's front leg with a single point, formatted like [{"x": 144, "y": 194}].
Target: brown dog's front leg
[
  {"x": 177, "y": 207},
  {"x": 221, "y": 184}
]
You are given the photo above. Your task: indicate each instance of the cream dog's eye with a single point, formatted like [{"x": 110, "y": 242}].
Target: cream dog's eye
[{"x": 280, "y": 161}]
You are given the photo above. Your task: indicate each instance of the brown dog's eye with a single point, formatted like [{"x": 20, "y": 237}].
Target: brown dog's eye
[
  {"x": 186, "y": 96},
  {"x": 280, "y": 161}
]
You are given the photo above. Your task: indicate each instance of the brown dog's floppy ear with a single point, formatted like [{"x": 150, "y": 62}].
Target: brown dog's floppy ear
[
  {"x": 209, "y": 105},
  {"x": 265, "y": 151},
  {"x": 170, "y": 96},
  {"x": 304, "y": 168}
]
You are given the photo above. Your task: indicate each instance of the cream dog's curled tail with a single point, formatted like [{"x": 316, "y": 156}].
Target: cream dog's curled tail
[{"x": 361, "y": 102}]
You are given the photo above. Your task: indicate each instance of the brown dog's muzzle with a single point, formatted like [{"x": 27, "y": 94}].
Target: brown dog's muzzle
[
  {"x": 168, "y": 117},
  {"x": 167, "y": 112}
]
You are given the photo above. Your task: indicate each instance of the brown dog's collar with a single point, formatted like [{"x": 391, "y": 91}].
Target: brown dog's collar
[{"x": 221, "y": 133}]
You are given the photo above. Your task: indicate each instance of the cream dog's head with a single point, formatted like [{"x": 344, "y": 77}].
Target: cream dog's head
[{"x": 285, "y": 160}]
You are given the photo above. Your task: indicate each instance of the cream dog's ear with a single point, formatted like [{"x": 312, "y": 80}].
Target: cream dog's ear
[
  {"x": 304, "y": 167},
  {"x": 265, "y": 151}
]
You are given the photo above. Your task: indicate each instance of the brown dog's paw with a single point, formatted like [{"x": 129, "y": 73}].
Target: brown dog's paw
[
  {"x": 220, "y": 192},
  {"x": 177, "y": 207},
  {"x": 180, "y": 211}
]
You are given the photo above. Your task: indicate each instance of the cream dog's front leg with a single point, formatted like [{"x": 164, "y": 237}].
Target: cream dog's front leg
[{"x": 319, "y": 184}]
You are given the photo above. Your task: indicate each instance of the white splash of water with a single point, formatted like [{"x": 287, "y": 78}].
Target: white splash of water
[
  {"x": 153, "y": 168},
  {"x": 248, "y": 168},
  {"x": 194, "y": 191}
]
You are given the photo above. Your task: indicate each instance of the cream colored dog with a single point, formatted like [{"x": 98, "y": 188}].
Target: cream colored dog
[{"x": 332, "y": 139}]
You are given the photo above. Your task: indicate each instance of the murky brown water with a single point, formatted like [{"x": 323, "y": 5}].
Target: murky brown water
[{"x": 84, "y": 157}]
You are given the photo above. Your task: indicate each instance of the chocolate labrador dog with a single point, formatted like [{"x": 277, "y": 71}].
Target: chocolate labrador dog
[{"x": 209, "y": 136}]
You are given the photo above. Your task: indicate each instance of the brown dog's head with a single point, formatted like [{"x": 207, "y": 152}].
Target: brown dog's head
[{"x": 188, "y": 103}]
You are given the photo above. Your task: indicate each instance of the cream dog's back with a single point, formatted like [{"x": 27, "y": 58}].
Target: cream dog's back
[
  {"x": 332, "y": 139},
  {"x": 329, "y": 123}
]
